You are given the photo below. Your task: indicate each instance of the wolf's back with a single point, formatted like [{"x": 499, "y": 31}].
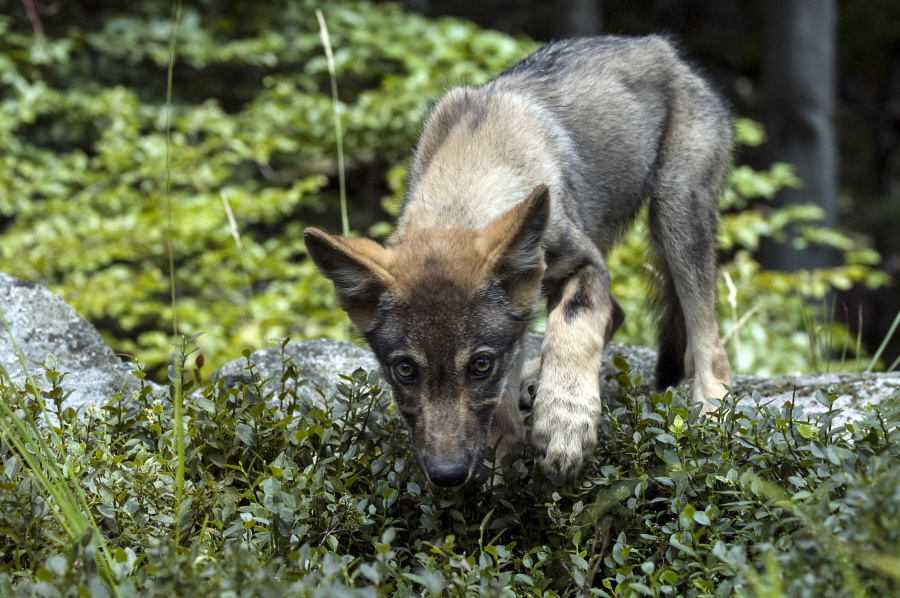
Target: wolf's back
[{"x": 618, "y": 98}]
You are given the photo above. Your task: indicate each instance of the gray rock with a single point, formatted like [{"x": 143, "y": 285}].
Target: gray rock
[
  {"x": 42, "y": 324},
  {"x": 324, "y": 360},
  {"x": 854, "y": 391},
  {"x": 320, "y": 361}
]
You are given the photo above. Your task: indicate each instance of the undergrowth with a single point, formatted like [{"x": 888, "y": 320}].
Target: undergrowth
[{"x": 293, "y": 493}]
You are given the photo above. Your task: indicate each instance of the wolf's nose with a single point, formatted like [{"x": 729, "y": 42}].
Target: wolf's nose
[{"x": 448, "y": 473}]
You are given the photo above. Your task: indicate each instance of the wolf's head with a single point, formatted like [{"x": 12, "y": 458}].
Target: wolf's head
[{"x": 445, "y": 311}]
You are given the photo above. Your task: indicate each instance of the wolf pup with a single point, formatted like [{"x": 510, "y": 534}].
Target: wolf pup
[{"x": 517, "y": 190}]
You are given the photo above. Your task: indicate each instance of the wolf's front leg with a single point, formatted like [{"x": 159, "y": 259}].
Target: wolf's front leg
[{"x": 567, "y": 404}]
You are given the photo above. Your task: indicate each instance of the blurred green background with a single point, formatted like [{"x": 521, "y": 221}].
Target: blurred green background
[{"x": 84, "y": 175}]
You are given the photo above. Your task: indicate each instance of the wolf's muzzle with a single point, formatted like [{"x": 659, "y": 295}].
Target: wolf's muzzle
[{"x": 447, "y": 473}]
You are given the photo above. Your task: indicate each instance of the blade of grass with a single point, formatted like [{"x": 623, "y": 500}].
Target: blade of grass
[
  {"x": 326, "y": 42},
  {"x": 812, "y": 334},
  {"x": 27, "y": 445},
  {"x": 178, "y": 398},
  {"x": 828, "y": 342},
  {"x": 740, "y": 323},
  {"x": 887, "y": 339},
  {"x": 232, "y": 223},
  {"x": 894, "y": 365},
  {"x": 859, "y": 337},
  {"x": 56, "y": 484},
  {"x": 170, "y": 235},
  {"x": 732, "y": 301},
  {"x": 846, "y": 346}
]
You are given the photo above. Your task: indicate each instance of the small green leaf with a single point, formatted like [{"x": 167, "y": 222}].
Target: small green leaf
[
  {"x": 521, "y": 578},
  {"x": 244, "y": 434},
  {"x": 578, "y": 561},
  {"x": 205, "y": 404},
  {"x": 822, "y": 398},
  {"x": 807, "y": 431}
]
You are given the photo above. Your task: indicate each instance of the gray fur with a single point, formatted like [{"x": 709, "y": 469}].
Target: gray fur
[{"x": 607, "y": 124}]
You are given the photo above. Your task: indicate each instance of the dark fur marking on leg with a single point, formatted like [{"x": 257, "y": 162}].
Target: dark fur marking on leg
[
  {"x": 590, "y": 280},
  {"x": 579, "y": 301}
]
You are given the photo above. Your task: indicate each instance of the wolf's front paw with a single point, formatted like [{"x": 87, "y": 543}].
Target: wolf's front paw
[{"x": 565, "y": 433}]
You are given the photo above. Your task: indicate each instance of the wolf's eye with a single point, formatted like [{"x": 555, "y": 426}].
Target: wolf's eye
[
  {"x": 481, "y": 366},
  {"x": 405, "y": 371}
]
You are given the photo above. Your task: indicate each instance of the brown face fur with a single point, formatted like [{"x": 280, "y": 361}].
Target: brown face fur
[
  {"x": 458, "y": 341},
  {"x": 445, "y": 311}
]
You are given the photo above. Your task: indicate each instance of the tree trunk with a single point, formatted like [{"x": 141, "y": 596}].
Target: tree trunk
[
  {"x": 799, "y": 66},
  {"x": 583, "y": 18}
]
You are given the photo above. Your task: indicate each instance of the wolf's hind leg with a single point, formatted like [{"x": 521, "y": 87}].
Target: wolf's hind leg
[
  {"x": 583, "y": 315},
  {"x": 689, "y": 340},
  {"x": 682, "y": 218}
]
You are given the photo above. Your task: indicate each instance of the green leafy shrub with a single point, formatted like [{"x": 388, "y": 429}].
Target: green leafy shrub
[{"x": 289, "y": 495}]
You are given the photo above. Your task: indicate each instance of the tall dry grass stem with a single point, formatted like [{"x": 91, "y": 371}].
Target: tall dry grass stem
[
  {"x": 326, "y": 43},
  {"x": 178, "y": 398}
]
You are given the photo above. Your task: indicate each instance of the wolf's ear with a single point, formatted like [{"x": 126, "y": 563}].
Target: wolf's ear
[
  {"x": 358, "y": 269},
  {"x": 513, "y": 245}
]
